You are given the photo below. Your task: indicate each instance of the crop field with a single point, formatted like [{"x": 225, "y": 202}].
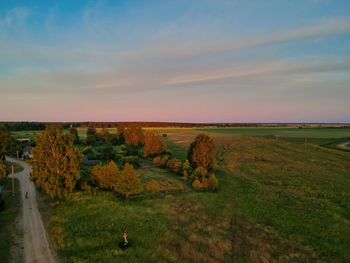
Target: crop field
[{"x": 278, "y": 200}]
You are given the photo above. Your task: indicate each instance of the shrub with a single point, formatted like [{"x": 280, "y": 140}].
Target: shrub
[
  {"x": 200, "y": 172},
  {"x": 153, "y": 187},
  {"x": 205, "y": 183},
  {"x": 157, "y": 160},
  {"x": 174, "y": 165},
  {"x": 128, "y": 182},
  {"x": 197, "y": 185},
  {"x": 133, "y": 160},
  {"x": 105, "y": 176},
  {"x": 213, "y": 182},
  {"x": 164, "y": 160}
]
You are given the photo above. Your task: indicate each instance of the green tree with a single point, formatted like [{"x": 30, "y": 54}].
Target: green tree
[
  {"x": 91, "y": 136},
  {"x": 55, "y": 162},
  {"x": 75, "y": 135},
  {"x": 5, "y": 141},
  {"x": 2, "y": 173},
  {"x": 202, "y": 152},
  {"x": 128, "y": 182}
]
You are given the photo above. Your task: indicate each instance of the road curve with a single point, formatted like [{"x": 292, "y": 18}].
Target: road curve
[{"x": 36, "y": 245}]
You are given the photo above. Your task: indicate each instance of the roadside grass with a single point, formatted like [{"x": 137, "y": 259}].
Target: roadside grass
[{"x": 7, "y": 220}]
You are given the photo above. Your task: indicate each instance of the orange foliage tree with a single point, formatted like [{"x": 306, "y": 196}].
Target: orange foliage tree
[
  {"x": 134, "y": 136},
  {"x": 153, "y": 145},
  {"x": 202, "y": 152},
  {"x": 105, "y": 176}
]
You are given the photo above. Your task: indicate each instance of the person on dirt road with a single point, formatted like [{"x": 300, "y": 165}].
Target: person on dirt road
[{"x": 26, "y": 195}]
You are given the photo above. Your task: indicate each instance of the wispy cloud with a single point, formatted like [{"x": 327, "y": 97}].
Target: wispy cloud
[
  {"x": 16, "y": 17},
  {"x": 320, "y": 30},
  {"x": 269, "y": 69}
]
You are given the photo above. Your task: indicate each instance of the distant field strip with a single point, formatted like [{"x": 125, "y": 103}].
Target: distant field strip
[{"x": 283, "y": 132}]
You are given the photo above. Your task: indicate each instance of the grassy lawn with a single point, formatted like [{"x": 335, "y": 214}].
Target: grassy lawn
[
  {"x": 7, "y": 219},
  {"x": 277, "y": 200}
]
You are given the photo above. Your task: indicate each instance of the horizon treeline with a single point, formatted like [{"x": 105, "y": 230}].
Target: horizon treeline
[{"x": 34, "y": 126}]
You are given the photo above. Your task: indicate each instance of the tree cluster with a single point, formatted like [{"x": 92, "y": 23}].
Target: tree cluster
[{"x": 125, "y": 182}]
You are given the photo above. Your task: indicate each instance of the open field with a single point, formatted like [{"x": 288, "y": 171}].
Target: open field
[
  {"x": 7, "y": 220},
  {"x": 277, "y": 200}
]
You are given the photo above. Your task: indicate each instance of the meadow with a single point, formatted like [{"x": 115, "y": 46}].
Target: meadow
[{"x": 278, "y": 201}]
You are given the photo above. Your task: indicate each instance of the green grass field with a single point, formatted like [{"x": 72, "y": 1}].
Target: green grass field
[
  {"x": 277, "y": 201},
  {"x": 7, "y": 220}
]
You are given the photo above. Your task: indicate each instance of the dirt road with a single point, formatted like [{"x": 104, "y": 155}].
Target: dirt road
[
  {"x": 36, "y": 246},
  {"x": 344, "y": 146}
]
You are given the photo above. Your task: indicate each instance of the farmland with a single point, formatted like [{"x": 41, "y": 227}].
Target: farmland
[{"x": 277, "y": 200}]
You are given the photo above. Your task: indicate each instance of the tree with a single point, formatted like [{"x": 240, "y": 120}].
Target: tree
[
  {"x": 154, "y": 145},
  {"x": 5, "y": 141},
  {"x": 105, "y": 135},
  {"x": 90, "y": 136},
  {"x": 202, "y": 152},
  {"x": 128, "y": 182},
  {"x": 55, "y": 162},
  {"x": 107, "y": 152},
  {"x": 213, "y": 182},
  {"x": 75, "y": 135},
  {"x": 2, "y": 173},
  {"x": 106, "y": 176},
  {"x": 134, "y": 136}
]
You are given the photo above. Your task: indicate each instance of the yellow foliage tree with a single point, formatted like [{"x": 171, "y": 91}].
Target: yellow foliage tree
[
  {"x": 106, "y": 176},
  {"x": 128, "y": 182}
]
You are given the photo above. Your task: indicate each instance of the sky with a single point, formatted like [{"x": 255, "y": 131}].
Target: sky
[{"x": 179, "y": 60}]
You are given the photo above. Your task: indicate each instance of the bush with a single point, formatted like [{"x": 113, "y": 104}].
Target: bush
[
  {"x": 205, "y": 184},
  {"x": 213, "y": 182},
  {"x": 164, "y": 160},
  {"x": 157, "y": 160},
  {"x": 197, "y": 185},
  {"x": 200, "y": 172},
  {"x": 133, "y": 160},
  {"x": 174, "y": 165},
  {"x": 153, "y": 187},
  {"x": 128, "y": 182},
  {"x": 105, "y": 176}
]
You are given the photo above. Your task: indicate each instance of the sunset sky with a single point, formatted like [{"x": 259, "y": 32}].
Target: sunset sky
[{"x": 189, "y": 61}]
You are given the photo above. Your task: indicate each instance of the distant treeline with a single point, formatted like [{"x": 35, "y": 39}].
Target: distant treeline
[{"x": 33, "y": 126}]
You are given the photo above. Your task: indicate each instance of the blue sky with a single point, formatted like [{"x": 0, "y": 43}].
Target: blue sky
[{"x": 198, "y": 60}]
